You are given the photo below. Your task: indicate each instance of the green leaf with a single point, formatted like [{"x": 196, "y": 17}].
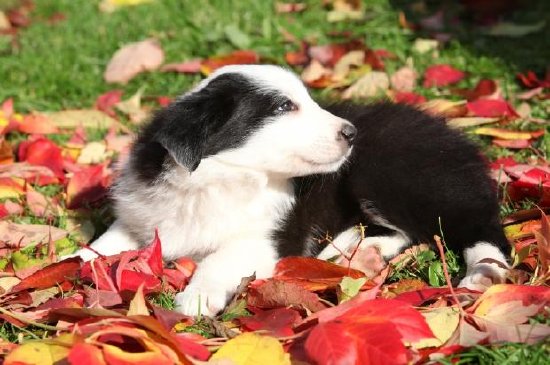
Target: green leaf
[
  {"x": 349, "y": 288},
  {"x": 435, "y": 272}
]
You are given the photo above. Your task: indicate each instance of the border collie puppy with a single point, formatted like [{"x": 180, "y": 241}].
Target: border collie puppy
[{"x": 247, "y": 168}]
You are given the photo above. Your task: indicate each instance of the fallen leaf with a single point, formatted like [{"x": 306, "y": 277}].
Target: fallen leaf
[
  {"x": 43, "y": 152},
  {"x": 241, "y": 57},
  {"x": 276, "y": 322},
  {"x": 37, "y": 124},
  {"x": 441, "y": 75},
  {"x": 11, "y": 187},
  {"x": 349, "y": 288},
  {"x": 370, "y": 85},
  {"x": 251, "y": 349},
  {"x": 490, "y": 108},
  {"x": 465, "y": 122},
  {"x": 105, "y": 102},
  {"x": 285, "y": 8},
  {"x": 404, "y": 79},
  {"x": 132, "y": 59},
  {"x": 37, "y": 353},
  {"x": 109, "y": 6},
  {"x": 277, "y": 293},
  {"x": 425, "y": 45},
  {"x": 485, "y": 88},
  {"x": 502, "y": 293},
  {"x": 187, "y": 67},
  {"x": 443, "y": 322},
  {"x": 87, "y": 186},
  {"x": 93, "y": 153},
  {"x": 410, "y": 98},
  {"x": 50, "y": 275},
  {"x": 313, "y": 274},
  {"x": 138, "y": 306},
  {"x": 22, "y": 235},
  {"x": 133, "y": 109},
  {"x": 503, "y": 133},
  {"x": 87, "y": 118},
  {"x": 446, "y": 108},
  {"x": 85, "y": 354},
  {"x": 512, "y": 143},
  {"x": 316, "y": 72}
]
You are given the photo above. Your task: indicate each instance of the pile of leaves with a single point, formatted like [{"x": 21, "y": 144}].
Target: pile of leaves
[{"x": 56, "y": 168}]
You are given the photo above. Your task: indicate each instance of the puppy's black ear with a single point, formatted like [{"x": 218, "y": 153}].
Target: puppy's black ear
[{"x": 185, "y": 126}]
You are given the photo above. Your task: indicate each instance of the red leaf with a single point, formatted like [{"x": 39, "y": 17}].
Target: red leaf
[
  {"x": 42, "y": 152},
  {"x": 164, "y": 100},
  {"x": 87, "y": 186},
  {"x": 131, "y": 280},
  {"x": 312, "y": 273},
  {"x": 106, "y": 102},
  {"x": 490, "y": 108},
  {"x": 348, "y": 343},
  {"x": 442, "y": 75},
  {"x": 50, "y": 275},
  {"x": 372, "y": 59},
  {"x": 484, "y": 87},
  {"x": 531, "y": 80},
  {"x": 234, "y": 58},
  {"x": 408, "y": 321},
  {"x": 278, "y": 322},
  {"x": 405, "y": 97},
  {"x": 330, "y": 54},
  {"x": 299, "y": 57},
  {"x": 504, "y": 293},
  {"x": 187, "y": 67},
  {"x": 512, "y": 143},
  {"x": 419, "y": 297},
  {"x": 276, "y": 293},
  {"x": 153, "y": 255}
]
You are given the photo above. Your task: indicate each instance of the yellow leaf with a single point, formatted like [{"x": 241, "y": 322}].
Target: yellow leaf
[
  {"x": 93, "y": 153},
  {"x": 443, "y": 322},
  {"x": 466, "y": 122},
  {"x": 503, "y": 133},
  {"x": 37, "y": 353},
  {"x": 88, "y": 118},
  {"x": 111, "y": 5},
  {"x": 138, "y": 305},
  {"x": 253, "y": 349}
]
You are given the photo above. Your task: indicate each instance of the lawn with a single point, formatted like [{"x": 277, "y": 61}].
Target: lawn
[{"x": 53, "y": 60}]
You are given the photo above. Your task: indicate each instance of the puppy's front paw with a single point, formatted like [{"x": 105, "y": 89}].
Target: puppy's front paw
[
  {"x": 197, "y": 299},
  {"x": 482, "y": 276}
]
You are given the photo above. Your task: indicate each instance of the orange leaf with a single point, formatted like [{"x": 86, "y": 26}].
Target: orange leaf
[
  {"x": 314, "y": 274},
  {"x": 50, "y": 275},
  {"x": 241, "y": 57},
  {"x": 85, "y": 354},
  {"x": 36, "y": 124}
]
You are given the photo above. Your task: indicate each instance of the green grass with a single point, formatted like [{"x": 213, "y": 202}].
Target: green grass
[
  {"x": 506, "y": 354},
  {"x": 60, "y": 66}
]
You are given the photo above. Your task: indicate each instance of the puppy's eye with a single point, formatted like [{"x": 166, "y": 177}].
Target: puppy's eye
[{"x": 287, "y": 106}]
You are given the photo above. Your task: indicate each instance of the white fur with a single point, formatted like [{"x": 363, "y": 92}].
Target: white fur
[
  {"x": 346, "y": 241},
  {"x": 222, "y": 214},
  {"x": 481, "y": 275}
]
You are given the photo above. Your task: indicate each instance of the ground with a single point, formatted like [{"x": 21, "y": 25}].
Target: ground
[{"x": 53, "y": 56}]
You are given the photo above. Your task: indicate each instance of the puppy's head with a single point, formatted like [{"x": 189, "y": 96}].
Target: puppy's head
[{"x": 253, "y": 116}]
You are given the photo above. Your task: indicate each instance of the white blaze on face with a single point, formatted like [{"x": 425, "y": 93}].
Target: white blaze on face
[{"x": 301, "y": 142}]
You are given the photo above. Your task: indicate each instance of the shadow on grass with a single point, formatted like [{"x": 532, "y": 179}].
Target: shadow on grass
[{"x": 467, "y": 22}]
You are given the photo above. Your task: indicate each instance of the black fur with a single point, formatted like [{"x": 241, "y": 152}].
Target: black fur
[
  {"x": 216, "y": 118},
  {"x": 413, "y": 170}
]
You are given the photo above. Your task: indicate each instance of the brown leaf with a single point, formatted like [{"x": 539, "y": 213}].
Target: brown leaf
[
  {"x": 370, "y": 85},
  {"x": 277, "y": 293},
  {"x": 23, "y": 234},
  {"x": 133, "y": 59}
]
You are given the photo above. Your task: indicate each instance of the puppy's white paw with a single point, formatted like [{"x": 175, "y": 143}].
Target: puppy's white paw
[
  {"x": 200, "y": 299},
  {"x": 482, "y": 276}
]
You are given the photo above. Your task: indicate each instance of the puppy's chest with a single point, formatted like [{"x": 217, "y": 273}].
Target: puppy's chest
[{"x": 215, "y": 214}]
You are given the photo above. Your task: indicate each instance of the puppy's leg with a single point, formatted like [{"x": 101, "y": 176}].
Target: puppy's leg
[
  {"x": 219, "y": 274},
  {"x": 112, "y": 242},
  {"x": 485, "y": 265},
  {"x": 389, "y": 244}
]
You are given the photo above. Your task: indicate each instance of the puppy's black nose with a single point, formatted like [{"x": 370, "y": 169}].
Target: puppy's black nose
[{"x": 349, "y": 132}]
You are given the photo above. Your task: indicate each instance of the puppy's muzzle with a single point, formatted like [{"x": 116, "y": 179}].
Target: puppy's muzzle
[{"x": 347, "y": 133}]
